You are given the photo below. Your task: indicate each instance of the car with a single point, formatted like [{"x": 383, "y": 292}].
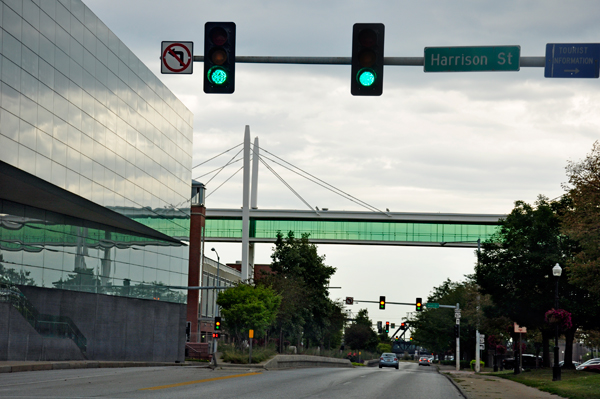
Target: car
[
  {"x": 425, "y": 361},
  {"x": 590, "y": 365},
  {"x": 562, "y": 363},
  {"x": 388, "y": 360},
  {"x": 528, "y": 362}
]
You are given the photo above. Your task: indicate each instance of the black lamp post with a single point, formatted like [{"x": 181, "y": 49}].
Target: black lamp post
[{"x": 556, "y": 271}]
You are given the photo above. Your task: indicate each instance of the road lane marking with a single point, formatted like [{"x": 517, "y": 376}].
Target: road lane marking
[{"x": 197, "y": 381}]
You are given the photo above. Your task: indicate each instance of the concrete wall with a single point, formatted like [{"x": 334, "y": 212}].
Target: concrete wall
[
  {"x": 298, "y": 361},
  {"x": 19, "y": 341},
  {"x": 116, "y": 328}
]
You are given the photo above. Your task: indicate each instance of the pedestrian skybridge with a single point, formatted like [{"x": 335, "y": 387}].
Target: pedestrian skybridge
[{"x": 355, "y": 228}]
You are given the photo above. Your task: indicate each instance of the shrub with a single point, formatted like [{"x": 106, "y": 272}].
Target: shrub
[
  {"x": 472, "y": 364},
  {"x": 382, "y": 347},
  {"x": 236, "y": 356}
]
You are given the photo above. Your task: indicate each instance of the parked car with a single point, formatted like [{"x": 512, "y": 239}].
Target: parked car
[
  {"x": 528, "y": 362},
  {"x": 590, "y": 365},
  {"x": 424, "y": 361},
  {"x": 562, "y": 363},
  {"x": 388, "y": 360}
]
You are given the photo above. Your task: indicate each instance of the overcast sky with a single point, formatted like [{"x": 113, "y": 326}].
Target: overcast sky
[{"x": 433, "y": 142}]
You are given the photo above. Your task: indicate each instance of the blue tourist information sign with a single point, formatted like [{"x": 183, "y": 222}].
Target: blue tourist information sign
[{"x": 572, "y": 60}]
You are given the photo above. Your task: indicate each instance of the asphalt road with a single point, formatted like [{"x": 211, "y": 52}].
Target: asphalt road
[{"x": 410, "y": 381}]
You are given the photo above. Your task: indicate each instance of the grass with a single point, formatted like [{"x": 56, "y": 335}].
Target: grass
[{"x": 574, "y": 384}]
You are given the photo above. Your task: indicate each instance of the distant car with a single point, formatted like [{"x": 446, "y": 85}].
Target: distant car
[
  {"x": 528, "y": 362},
  {"x": 562, "y": 363},
  {"x": 590, "y": 365},
  {"x": 388, "y": 360},
  {"x": 424, "y": 361}
]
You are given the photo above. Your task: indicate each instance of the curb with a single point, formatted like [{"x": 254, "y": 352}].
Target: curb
[
  {"x": 82, "y": 365},
  {"x": 463, "y": 394}
]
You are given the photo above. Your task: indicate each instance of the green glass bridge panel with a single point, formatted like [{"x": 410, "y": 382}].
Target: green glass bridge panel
[{"x": 353, "y": 230}]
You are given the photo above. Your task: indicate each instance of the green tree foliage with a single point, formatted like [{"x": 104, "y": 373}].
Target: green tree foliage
[
  {"x": 360, "y": 334},
  {"x": 245, "y": 307},
  {"x": 582, "y": 222},
  {"x": 297, "y": 259},
  {"x": 515, "y": 268}
]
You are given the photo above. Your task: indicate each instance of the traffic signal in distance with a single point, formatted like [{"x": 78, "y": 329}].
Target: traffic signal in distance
[
  {"x": 419, "y": 305},
  {"x": 379, "y": 327},
  {"x": 219, "y": 57},
  {"x": 411, "y": 338},
  {"x": 381, "y": 302},
  {"x": 456, "y": 331},
  {"x": 217, "y": 323},
  {"x": 403, "y": 326},
  {"x": 367, "y": 59},
  {"x": 387, "y": 326},
  {"x": 216, "y": 335}
]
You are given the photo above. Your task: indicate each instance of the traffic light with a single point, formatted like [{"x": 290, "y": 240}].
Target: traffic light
[
  {"x": 216, "y": 335},
  {"x": 411, "y": 338},
  {"x": 381, "y": 302},
  {"x": 387, "y": 326},
  {"x": 367, "y": 59},
  {"x": 379, "y": 327},
  {"x": 456, "y": 331},
  {"x": 419, "y": 305},
  {"x": 219, "y": 57},
  {"x": 217, "y": 323},
  {"x": 403, "y": 326},
  {"x": 393, "y": 325}
]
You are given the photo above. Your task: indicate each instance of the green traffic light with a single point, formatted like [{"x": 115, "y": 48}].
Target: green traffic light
[
  {"x": 366, "y": 77},
  {"x": 217, "y": 75}
]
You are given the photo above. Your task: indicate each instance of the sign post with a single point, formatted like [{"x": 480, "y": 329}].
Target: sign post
[
  {"x": 472, "y": 59},
  {"x": 251, "y": 337}
]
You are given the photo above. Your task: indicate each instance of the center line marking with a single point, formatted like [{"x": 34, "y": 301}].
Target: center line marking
[{"x": 197, "y": 381}]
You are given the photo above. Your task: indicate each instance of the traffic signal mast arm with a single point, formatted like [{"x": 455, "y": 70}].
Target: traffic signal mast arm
[
  {"x": 386, "y": 302},
  {"x": 534, "y": 62}
]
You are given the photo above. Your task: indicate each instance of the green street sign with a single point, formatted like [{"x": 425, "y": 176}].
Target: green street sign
[
  {"x": 472, "y": 59},
  {"x": 432, "y": 305}
]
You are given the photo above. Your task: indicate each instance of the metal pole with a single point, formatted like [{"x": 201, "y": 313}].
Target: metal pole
[
  {"x": 215, "y": 342},
  {"x": 556, "y": 367},
  {"x": 458, "y": 339},
  {"x": 477, "y": 365},
  {"x": 536, "y": 61}
]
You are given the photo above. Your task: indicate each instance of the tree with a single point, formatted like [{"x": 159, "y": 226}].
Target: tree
[
  {"x": 360, "y": 334},
  {"x": 245, "y": 307},
  {"x": 582, "y": 222},
  {"x": 298, "y": 259},
  {"x": 515, "y": 269}
]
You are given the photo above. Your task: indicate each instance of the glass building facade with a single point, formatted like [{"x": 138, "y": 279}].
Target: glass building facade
[{"x": 95, "y": 159}]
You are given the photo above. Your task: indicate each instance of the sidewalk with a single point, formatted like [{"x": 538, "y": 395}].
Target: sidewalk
[{"x": 476, "y": 386}]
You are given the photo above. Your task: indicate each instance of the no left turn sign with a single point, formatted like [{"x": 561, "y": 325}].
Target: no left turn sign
[{"x": 177, "y": 57}]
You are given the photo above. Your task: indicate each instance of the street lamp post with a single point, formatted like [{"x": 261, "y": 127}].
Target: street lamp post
[
  {"x": 215, "y": 304},
  {"x": 556, "y": 271}
]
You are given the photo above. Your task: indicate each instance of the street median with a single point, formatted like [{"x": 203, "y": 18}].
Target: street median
[{"x": 301, "y": 361}]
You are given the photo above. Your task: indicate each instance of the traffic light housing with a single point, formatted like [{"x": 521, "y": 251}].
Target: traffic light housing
[
  {"x": 402, "y": 326},
  {"x": 456, "y": 331},
  {"x": 382, "y": 302},
  {"x": 219, "y": 57},
  {"x": 379, "y": 327},
  {"x": 216, "y": 335},
  {"x": 387, "y": 326},
  {"x": 217, "y": 323},
  {"x": 419, "y": 305},
  {"x": 367, "y": 59}
]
